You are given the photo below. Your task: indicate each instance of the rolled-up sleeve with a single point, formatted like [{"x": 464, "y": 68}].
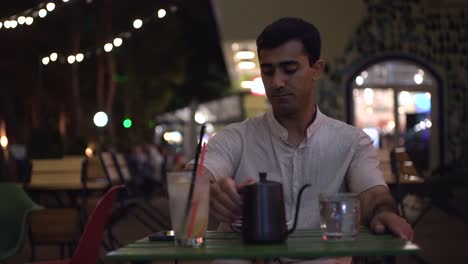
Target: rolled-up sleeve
[
  {"x": 364, "y": 172},
  {"x": 223, "y": 153}
]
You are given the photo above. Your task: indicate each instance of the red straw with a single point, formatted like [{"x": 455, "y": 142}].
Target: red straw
[
  {"x": 202, "y": 159},
  {"x": 195, "y": 202}
]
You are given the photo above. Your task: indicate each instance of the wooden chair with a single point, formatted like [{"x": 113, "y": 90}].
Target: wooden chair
[
  {"x": 95, "y": 183},
  {"x": 144, "y": 205},
  {"x": 118, "y": 173},
  {"x": 409, "y": 181},
  {"x": 63, "y": 222},
  {"x": 88, "y": 248}
]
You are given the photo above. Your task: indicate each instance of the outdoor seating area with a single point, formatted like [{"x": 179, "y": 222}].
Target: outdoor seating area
[
  {"x": 56, "y": 205},
  {"x": 212, "y": 132}
]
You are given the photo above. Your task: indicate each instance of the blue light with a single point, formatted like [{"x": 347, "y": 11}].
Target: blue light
[{"x": 422, "y": 102}]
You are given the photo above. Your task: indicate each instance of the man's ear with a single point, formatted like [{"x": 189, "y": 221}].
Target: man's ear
[{"x": 317, "y": 68}]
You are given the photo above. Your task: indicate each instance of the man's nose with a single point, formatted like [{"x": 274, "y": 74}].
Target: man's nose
[{"x": 279, "y": 80}]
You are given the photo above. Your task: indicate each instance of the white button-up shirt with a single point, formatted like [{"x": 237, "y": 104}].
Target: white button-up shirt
[{"x": 334, "y": 157}]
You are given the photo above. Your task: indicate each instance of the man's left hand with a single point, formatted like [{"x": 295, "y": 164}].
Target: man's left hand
[{"x": 389, "y": 221}]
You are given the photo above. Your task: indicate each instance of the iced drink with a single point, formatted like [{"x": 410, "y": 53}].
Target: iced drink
[{"x": 190, "y": 232}]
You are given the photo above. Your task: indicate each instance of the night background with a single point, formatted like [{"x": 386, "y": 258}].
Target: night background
[{"x": 162, "y": 66}]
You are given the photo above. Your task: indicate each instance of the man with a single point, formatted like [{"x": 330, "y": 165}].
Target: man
[{"x": 297, "y": 144}]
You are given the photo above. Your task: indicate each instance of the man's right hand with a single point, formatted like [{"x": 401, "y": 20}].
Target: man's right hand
[{"x": 225, "y": 200}]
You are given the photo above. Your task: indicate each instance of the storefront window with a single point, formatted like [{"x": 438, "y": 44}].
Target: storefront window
[{"x": 392, "y": 103}]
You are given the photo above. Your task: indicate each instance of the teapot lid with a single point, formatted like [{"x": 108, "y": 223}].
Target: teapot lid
[
  {"x": 264, "y": 181},
  {"x": 263, "y": 176}
]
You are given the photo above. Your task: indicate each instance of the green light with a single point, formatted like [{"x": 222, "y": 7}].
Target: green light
[{"x": 127, "y": 123}]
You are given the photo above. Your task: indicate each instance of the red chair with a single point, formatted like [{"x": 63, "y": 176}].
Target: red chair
[{"x": 90, "y": 242}]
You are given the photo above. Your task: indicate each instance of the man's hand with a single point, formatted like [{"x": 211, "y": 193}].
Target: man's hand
[
  {"x": 225, "y": 200},
  {"x": 390, "y": 221},
  {"x": 379, "y": 211}
]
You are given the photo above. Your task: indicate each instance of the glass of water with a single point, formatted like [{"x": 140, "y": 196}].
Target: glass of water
[{"x": 339, "y": 215}]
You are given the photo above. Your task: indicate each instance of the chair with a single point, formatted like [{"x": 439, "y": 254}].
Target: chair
[
  {"x": 90, "y": 242},
  {"x": 15, "y": 206},
  {"x": 128, "y": 205},
  {"x": 60, "y": 178},
  {"x": 127, "y": 179},
  {"x": 409, "y": 181}
]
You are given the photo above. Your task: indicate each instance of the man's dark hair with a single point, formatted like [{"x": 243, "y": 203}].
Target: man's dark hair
[{"x": 290, "y": 28}]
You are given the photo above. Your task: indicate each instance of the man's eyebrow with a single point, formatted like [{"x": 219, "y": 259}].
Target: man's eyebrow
[
  {"x": 281, "y": 64},
  {"x": 288, "y": 63}
]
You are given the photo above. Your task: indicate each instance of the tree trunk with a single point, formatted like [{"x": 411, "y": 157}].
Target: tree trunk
[
  {"x": 76, "y": 127},
  {"x": 111, "y": 69},
  {"x": 100, "y": 69}
]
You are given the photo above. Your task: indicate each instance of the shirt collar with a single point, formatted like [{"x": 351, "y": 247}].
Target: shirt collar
[{"x": 279, "y": 131}]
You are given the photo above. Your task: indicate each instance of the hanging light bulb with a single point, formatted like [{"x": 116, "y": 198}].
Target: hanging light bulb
[
  {"x": 13, "y": 23},
  {"x": 117, "y": 42},
  {"x": 79, "y": 57},
  {"x": 108, "y": 47},
  {"x": 161, "y": 13},
  {"x": 65, "y": 1},
  {"x": 137, "y": 23},
  {"x": 53, "y": 56},
  {"x": 45, "y": 60},
  {"x": 71, "y": 59},
  {"x": 21, "y": 20},
  {"x": 42, "y": 13},
  {"x": 29, "y": 20},
  {"x": 50, "y": 6},
  {"x": 6, "y": 23},
  {"x": 1, "y": 25}
]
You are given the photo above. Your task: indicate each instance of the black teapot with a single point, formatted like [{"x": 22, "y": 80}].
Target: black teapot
[{"x": 264, "y": 219}]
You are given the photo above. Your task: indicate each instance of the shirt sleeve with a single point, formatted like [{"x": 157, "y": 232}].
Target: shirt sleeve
[
  {"x": 364, "y": 172},
  {"x": 223, "y": 153}
]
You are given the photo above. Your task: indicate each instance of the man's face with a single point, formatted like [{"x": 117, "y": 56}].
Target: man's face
[{"x": 288, "y": 78}]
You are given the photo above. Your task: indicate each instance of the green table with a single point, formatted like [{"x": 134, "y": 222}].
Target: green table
[{"x": 301, "y": 244}]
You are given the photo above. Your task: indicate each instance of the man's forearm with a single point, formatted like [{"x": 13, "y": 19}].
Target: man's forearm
[{"x": 374, "y": 201}]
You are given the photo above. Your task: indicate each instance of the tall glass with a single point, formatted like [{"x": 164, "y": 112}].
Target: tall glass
[
  {"x": 339, "y": 215},
  {"x": 190, "y": 230}
]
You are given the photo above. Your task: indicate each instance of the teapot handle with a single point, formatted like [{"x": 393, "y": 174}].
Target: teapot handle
[{"x": 297, "y": 208}]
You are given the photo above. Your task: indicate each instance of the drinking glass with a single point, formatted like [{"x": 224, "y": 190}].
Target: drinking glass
[
  {"x": 189, "y": 229},
  {"x": 339, "y": 215}
]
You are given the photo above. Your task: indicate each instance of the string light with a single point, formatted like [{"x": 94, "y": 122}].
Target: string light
[
  {"x": 137, "y": 23},
  {"x": 45, "y": 60},
  {"x": 42, "y": 13},
  {"x": 29, "y": 21},
  {"x": 50, "y": 6},
  {"x": 108, "y": 47},
  {"x": 27, "y": 16},
  {"x": 53, "y": 56},
  {"x": 79, "y": 57},
  {"x": 71, "y": 59},
  {"x": 117, "y": 42},
  {"x": 13, "y": 23},
  {"x": 161, "y": 13},
  {"x": 21, "y": 20}
]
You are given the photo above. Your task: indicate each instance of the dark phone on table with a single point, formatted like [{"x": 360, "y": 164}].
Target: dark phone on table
[{"x": 167, "y": 235}]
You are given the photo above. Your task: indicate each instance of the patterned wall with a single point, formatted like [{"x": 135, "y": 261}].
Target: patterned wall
[{"x": 436, "y": 35}]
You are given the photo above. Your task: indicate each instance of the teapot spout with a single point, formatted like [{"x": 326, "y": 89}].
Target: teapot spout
[{"x": 299, "y": 195}]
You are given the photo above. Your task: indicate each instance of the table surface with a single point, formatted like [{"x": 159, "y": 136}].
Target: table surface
[
  {"x": 301, "y": 244},
  {"x": 66, "y": 185}
]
